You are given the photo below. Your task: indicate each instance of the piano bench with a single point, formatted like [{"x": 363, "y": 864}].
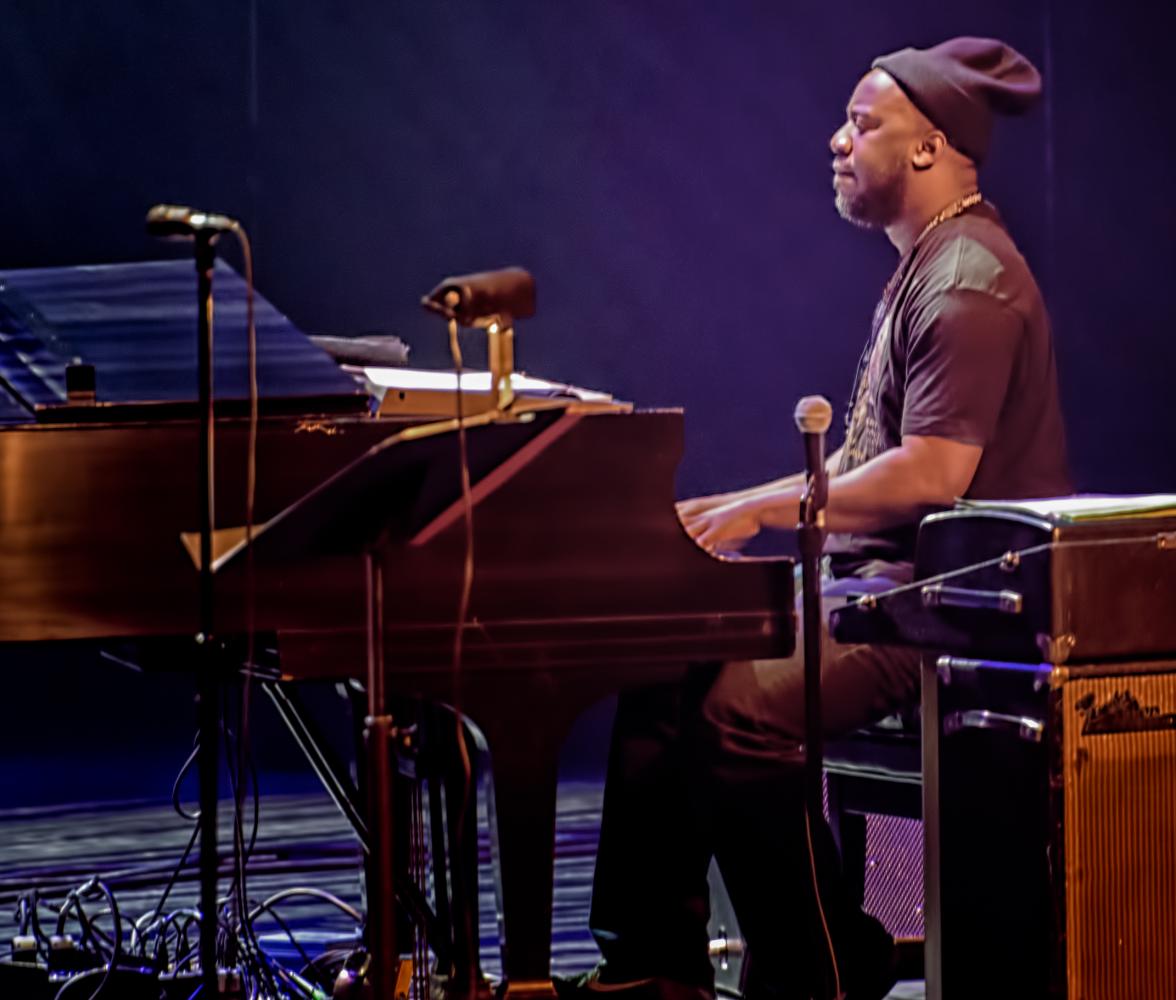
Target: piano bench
[{"x": 878, "y": 771}]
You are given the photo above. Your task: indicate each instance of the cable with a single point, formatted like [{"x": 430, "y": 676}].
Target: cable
[
  {"x": 322, "y": 894},
  {"x": 21, "y": 916},
  {"x": 237, "y": 896},
  {"x": 94, "y": 885},
  {"x": 240, "y": 851},
  {"x": 176, "y": 785},
  {"x": 175, "y": 876},
  {"x": 92, "y": 888},
  {"x": 30, "y": 902},
  {"x": 231, "y": 743},
  {"x": 190, "y": 917},
  {"x": 306, "y": 959},
  {"x": 808, "y": 833}
]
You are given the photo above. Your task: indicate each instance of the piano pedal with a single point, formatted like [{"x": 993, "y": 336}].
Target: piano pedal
[{"x": 352, "y": 981}]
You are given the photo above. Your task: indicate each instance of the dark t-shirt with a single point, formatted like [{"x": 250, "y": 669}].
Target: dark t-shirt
[{"x": 964, "y": 352}]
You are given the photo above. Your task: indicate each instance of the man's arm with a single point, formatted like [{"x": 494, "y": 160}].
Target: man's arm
[
  {"x": 896, "y": 487},
  {"x": 962, "y": 349},
  {"x": 696, "y": 506}
]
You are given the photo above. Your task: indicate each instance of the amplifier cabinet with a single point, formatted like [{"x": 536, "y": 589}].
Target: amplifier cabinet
[
  {"x": 1050, "y": 822},
  {"x": 1010, "y": 586},
  {"x": 1119, "y": 831}
]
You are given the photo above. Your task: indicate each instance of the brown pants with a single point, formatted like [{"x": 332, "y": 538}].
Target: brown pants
[{"x": 714, "y": 768}]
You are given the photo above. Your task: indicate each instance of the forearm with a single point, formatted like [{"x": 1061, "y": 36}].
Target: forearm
[
  {"x": 794, "y": 481},
  {"x": 897, "y": 487}
]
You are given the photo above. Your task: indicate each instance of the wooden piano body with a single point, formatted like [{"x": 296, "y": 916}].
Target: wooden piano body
[{"x": 584, "y": 581}]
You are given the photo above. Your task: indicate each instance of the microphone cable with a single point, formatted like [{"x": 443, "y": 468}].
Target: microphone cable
[{"x": 243, "y": 774}]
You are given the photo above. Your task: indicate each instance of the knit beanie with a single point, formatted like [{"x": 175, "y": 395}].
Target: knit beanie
[{"x": 961, "y": 84}]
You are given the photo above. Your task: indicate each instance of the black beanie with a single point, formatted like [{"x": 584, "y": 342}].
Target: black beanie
[{"x": 961, "y": 83}]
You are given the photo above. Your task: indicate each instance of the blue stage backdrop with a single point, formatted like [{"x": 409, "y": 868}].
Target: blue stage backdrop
[{"x": 662, "y": 168}]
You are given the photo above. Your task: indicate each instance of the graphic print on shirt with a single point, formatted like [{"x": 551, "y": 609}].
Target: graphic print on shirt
[{"x": 863, "y": 433}]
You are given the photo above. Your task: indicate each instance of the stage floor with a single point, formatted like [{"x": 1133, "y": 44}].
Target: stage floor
[{"x": 135, "y": 846}]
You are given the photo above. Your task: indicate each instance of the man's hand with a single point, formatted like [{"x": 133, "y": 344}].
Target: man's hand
[
  {"x": 697, "y": 506},
  {"x": 720, "y": 524}
]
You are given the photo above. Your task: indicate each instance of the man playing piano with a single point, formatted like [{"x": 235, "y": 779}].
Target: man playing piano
[{"x": 955, "y": 395}]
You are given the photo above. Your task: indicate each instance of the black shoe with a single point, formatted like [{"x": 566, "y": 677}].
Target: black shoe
[
  {"x": 602, "y": 983},
  {"x": 873, "y": 968}
]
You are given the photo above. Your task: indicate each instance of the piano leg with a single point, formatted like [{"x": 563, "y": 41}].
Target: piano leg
[
  {"x": 453, "y": 823},
  {"x": 522, "y": 825},
  {"x": 525, "y": 721}
]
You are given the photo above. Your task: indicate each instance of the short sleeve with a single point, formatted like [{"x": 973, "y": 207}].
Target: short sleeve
[{"x": 960, "y": 359}]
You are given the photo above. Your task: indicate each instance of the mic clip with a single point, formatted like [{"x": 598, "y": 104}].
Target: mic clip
[{"x": 179, "y": 222}]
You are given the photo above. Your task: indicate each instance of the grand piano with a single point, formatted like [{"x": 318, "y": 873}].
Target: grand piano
[{"x": 583, "y": 582}]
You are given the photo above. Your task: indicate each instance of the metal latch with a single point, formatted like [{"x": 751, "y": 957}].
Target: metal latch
[
  {"x": 936, "y": 595},
  {"x": 1027, "y": 728}
]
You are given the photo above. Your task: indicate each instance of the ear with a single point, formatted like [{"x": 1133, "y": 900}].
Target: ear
[{"x": 929, "y": 149}]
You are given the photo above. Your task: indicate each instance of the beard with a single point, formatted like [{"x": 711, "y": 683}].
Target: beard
[{"x": 878, "y": 202}]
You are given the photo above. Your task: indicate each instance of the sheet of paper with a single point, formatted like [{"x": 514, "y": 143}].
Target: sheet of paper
[
  {"x": 1085, "y": 506},
  {"x": 474, "y": 381}
]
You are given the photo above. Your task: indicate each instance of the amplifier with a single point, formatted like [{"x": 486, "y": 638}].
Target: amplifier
[
  {"x": 1050, "y": 808},
  {"x": 1022, "y": 584}
]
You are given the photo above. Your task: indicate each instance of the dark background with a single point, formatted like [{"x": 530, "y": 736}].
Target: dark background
[{"x": 662, "y": 168}]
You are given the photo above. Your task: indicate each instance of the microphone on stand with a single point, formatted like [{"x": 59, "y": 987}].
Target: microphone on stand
[
  {"x": 182, "y": 222},
  {"x": 492, "y": 300},
  {"x": 813, "y": 416},
  {"x": 485, "y": 297}
]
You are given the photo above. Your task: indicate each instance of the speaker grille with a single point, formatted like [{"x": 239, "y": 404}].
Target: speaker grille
[
  {"x": 894, "y": 874},
  {"x": 1119, "y": 762}
]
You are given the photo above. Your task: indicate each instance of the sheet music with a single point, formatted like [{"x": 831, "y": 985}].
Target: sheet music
[
  {"x": 406, "y": 379},
  {"x": 1085, "y": 506}
]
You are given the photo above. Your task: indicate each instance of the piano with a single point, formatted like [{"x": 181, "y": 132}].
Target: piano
[{"x": 584, "y": 581}]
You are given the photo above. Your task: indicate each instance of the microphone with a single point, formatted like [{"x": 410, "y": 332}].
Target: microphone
[
  {"x": 182, "y": 222},
  {"x": 485, "y": 297},
  {"x": 813, "y": 416}
]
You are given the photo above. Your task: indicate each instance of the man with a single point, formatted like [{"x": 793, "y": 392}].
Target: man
[{"x": 956, "y": 395}]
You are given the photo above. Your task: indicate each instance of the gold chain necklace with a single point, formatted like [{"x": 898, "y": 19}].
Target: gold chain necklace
[{"x": 957, "y": 207}]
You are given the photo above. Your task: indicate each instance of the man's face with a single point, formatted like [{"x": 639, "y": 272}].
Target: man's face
[{"x": 872, "y": 152}]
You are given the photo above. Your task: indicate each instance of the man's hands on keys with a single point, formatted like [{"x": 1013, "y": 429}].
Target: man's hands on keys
[{"x": 721, "y": 524}]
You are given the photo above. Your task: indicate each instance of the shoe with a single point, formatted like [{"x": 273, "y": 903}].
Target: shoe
[
  {"x": 873, "y": 969},
  {"x": 601, "y": 983}
]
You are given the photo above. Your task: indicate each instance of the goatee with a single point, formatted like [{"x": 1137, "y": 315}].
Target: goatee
[{"x": 875, "y": 206}]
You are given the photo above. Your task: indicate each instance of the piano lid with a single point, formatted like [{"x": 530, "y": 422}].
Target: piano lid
[{"x": 136, "y": 324}]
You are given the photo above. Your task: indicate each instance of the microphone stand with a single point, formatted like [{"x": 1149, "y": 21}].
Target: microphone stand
[
  {"x": 811, "y": 540},
  {"x": 182, "y": 222},
  {"x": 811, "y": 534}
]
